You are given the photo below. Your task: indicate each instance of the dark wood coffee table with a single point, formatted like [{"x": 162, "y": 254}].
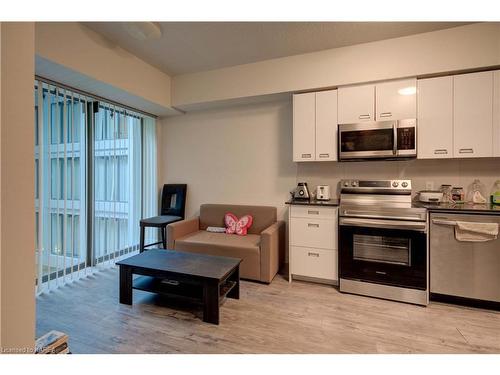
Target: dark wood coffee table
[{"x": 204, "y": 279}]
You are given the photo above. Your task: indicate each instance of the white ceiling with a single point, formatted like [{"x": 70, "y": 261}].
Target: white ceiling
[{"x": 187, "y": 47}]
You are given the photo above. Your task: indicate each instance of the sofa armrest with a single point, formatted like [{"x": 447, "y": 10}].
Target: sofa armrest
[
  {"x": 180, "y": 229},
  {"x": 272, "y": 250}
]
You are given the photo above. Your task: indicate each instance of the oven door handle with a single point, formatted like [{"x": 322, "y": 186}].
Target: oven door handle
[
  {"x": 384, "y": 224},
  {"x": 395, "y": 135}
]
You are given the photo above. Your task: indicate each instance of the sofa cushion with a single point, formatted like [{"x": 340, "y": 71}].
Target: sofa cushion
[
  {"x": 244, "y": 247},
  {"x": 212, "y": 215}
]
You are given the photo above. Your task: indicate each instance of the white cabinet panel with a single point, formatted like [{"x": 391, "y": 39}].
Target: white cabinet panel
[
  {"x": 496, "y": 114},
  {"x": 356, "y": 104},
  {"x": 396, "y": 100},
  {"x": 326, "y": 125},
  {"x": 314, "y": 212},
  {"x": 435, "y": 118},
  {"x": 304, "y": 120},
  {"x": 473, "y": 115},
  {"x": 313, "y": 233},
  {"x": 313, "y": 262}
]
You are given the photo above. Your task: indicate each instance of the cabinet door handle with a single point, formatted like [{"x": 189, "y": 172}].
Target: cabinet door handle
[
  {"x": 441, "y": 151},
  {"x": 312, "y": 225},
  {"x": 324, "y": 155},
  {"x": 313, "y": 255},
  {"x": 386, "y": 114},
  {"x": 466, "y": 151},
  {"x": 313, "y": 212},
  {"x": 364, "y": 117},
  {"x": 306, "y": 156}
]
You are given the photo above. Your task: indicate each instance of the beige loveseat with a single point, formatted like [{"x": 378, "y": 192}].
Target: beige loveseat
[{"x": 262, "y": 249}]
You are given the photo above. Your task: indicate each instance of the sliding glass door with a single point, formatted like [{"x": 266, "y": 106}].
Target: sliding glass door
[
  {"x": 117, "y": 168},
  {"x": 91, "y": 186}
]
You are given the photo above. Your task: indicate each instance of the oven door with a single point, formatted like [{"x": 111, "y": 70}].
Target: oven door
[
  {"x": 389, "y": 252},
  {"x": 368, "y": 140}
]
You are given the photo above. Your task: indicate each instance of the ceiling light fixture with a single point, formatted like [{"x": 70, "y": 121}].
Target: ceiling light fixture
[{"x": 142, "y": 30}]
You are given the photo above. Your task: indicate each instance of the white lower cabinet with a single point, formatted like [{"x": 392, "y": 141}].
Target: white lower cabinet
[
  {"x": 315, "y": 263},
  {"x": 313, "y": 243}
]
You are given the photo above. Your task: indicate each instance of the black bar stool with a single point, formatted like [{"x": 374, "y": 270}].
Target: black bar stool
[{"x": 173, "y": 207}]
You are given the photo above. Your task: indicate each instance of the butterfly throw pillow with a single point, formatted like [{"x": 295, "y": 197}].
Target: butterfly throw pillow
[{"x": 237, "y": 226}]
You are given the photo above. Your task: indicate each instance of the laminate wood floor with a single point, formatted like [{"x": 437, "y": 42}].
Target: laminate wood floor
[{"x": 279, "y": 318}]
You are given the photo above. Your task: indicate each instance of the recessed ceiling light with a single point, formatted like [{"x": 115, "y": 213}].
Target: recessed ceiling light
[
  {"x": 410, "y": 90},
  {"x": 142, "y": 30}
]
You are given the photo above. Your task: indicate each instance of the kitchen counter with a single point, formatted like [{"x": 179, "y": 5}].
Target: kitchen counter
[
  {"x": 313, "y": 202},
  {"x": 486, "y": 208}
]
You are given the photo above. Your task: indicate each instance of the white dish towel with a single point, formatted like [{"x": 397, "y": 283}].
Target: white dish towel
[{"x": 476, "y": 232}]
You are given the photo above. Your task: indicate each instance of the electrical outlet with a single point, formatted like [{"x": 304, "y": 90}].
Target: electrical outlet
[{"x": 429, "y": 185}]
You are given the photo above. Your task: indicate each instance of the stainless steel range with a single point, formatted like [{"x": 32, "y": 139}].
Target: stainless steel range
[{"x": 382, "y": 241}]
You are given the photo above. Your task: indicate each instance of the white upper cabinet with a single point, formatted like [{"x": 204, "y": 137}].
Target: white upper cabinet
[
  {"x": 326, "y": 125},
  {"x": 396, "y": 100},
  {"x": 304, "y": 127},
  {"x": 473, "y": 115},
  {"x": 356, "y": 104},
  {"x": 435, "y": 118},
  {"x": 496, "y": 114},
  {"x": 315, "y": 126}
]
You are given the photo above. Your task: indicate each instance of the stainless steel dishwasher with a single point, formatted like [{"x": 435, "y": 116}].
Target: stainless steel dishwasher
[{"x": 470, "y": 270}]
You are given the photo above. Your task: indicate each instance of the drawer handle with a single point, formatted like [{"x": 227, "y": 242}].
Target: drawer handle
[
  {"x": 364, "y": 117},
  {"x": 441, "y": 151},
  {"x": 313, "y": 225},
  {"x": 386, "y": 114},
  {"x": 313, "y": 255},
  {"x": 324, "y": 155},
  {"x": 170, "y": 282},
  {"x": 466, "y": 151},
  {"x": 306, "y": 156},
  {"x": 312, "y": 212}
]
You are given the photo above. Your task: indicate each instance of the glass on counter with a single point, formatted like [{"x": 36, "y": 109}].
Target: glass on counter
[{"x": 457, "y": 194}]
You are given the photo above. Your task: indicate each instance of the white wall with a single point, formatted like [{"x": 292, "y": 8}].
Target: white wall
[
  {"x": 17, "y": 219},
  {"x": 239, "y": 155},
  {"x": 465, "y": 47},
  {"x": 71, "y": 53},
  {"x": 456, "y": 172}
]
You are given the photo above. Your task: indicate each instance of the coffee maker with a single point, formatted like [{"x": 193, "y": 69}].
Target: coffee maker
[{"x": 301, "y": 191}]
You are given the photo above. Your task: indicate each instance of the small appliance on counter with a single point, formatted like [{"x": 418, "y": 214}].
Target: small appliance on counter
[
  {"x": 301, "y": 191},
  {"x": 495, "y": 193},
  {"x": 323, "y": 192},
  {"x": 430, "y": 196}
]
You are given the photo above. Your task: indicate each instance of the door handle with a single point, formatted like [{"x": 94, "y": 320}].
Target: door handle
[
  {"x": 313, "y": 212},
  {"x": 306, "y": 156},
  {"x": 386, "y": 114},
  {"x": 364, "y": 117},
  {"x": 466, "y": 151},
  {"x": 324, "y": 155},
  {"x": 313, "y": 255},
  {"x": 312, "y": 225}
]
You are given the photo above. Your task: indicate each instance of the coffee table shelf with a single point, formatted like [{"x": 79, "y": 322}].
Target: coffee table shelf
[{"x": 155, "y": 285}]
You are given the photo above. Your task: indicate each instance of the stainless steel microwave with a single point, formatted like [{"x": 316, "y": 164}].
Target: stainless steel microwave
[{"x": 378, "y": 140}]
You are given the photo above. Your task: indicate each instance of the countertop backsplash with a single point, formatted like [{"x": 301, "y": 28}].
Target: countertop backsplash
[{"x": 455, "y": 172}]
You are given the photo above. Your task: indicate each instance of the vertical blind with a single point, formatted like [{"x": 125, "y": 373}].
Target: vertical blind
[{"x": 95, "y": 166}]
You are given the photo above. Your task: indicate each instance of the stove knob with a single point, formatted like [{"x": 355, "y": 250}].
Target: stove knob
[
  {"x": 395, "y": 184},
  {"x": 346, "y": 183},
  {"x": 354, "y": 183},
  {"x": 404, "y": 184}
]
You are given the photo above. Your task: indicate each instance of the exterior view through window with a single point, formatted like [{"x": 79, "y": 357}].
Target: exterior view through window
[{"x": 95, "y": 179}]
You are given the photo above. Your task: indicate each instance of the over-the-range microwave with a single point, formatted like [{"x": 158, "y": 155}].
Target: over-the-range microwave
[{"x": 378, "y": 140}]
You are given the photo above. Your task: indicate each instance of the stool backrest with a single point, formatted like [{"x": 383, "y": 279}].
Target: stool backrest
[{"x": 173, "y": 200}]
